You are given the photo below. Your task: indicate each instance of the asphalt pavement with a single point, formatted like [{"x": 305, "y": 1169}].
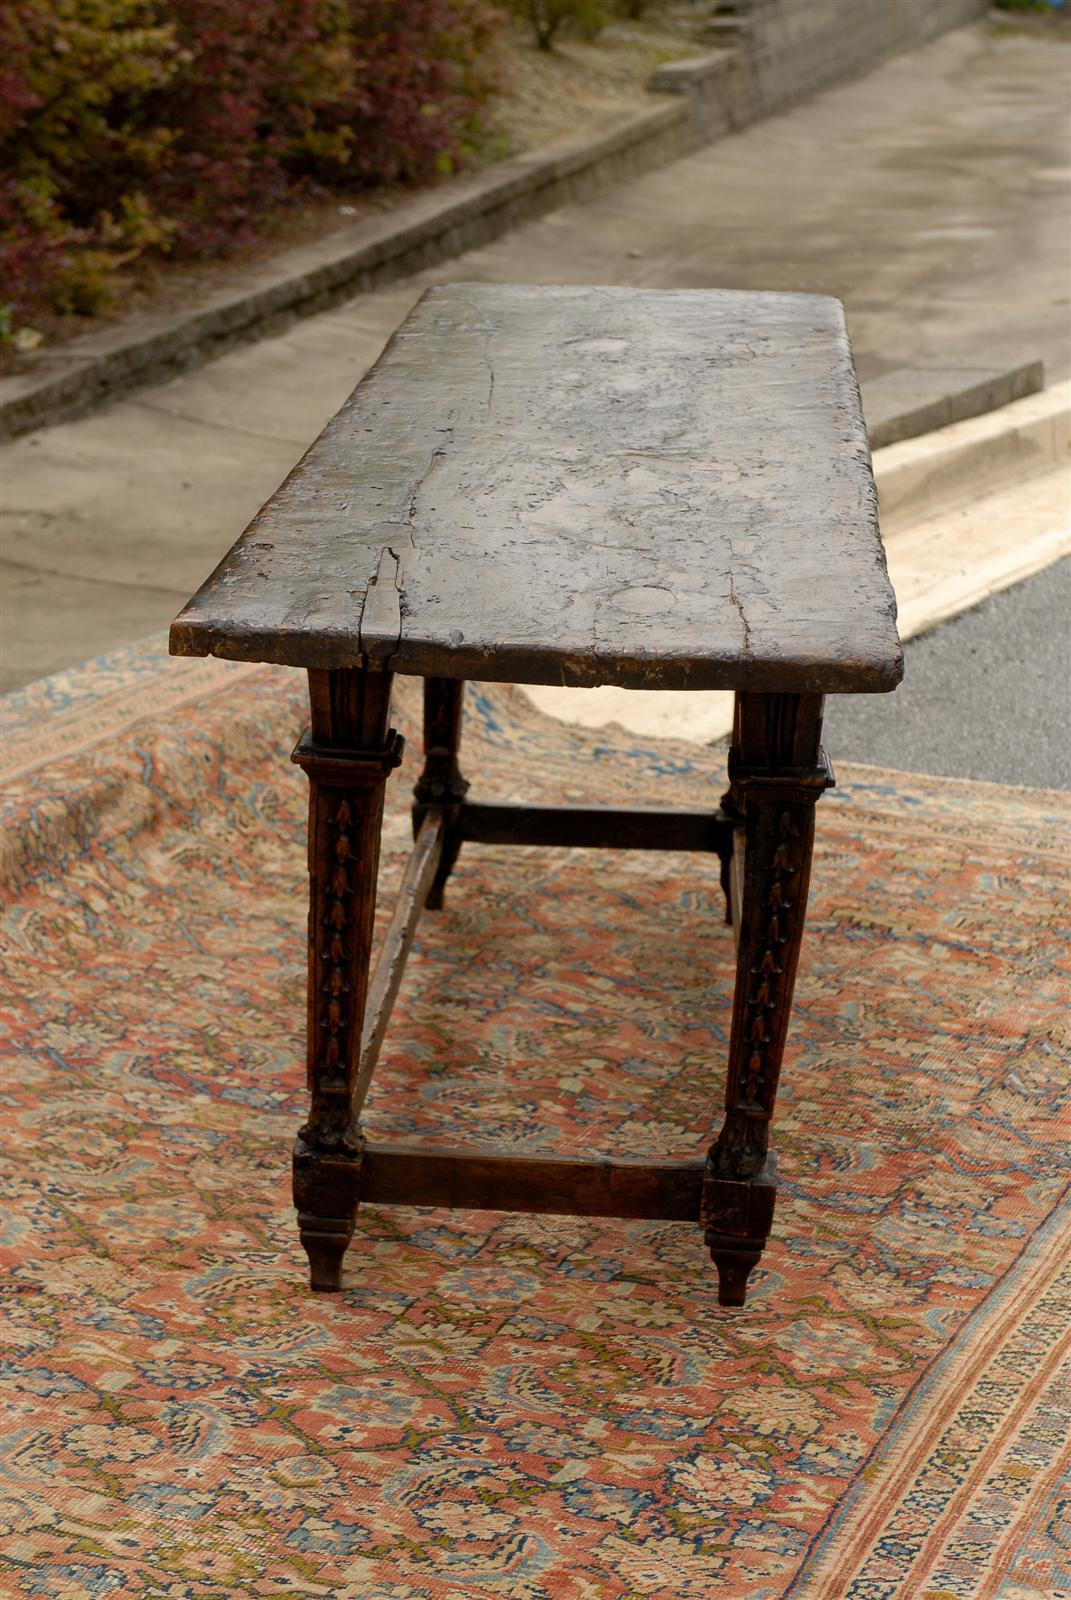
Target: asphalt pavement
[{"x": 987, "y": 695}]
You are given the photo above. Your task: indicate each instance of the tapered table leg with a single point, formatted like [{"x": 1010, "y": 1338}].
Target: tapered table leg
[
  {"x": 777, "y": 771},
  {"x": 440, "y": 783},
  {"x": 348, "y": 755}
]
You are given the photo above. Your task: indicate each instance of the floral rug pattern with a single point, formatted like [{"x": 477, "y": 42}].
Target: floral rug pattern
[{"x": 509, "y": 1407}]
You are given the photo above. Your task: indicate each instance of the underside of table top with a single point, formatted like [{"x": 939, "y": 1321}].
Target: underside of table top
[{"x": 655, "y": 489}]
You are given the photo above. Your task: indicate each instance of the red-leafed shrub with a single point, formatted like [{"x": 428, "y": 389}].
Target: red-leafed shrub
[
  {"x": 134, "y": 125},
  {"x": 255, "y": 76},
  {"x": 418, "y": 73}
]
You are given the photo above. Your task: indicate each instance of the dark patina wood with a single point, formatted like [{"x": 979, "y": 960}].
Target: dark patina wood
[
  {"x": 778, "y": 771},
  {"x": 420, "y": 875},
  {"x": 347, "y": 755},
  {"x": 584, "y": 486},
  {"x": 502, "y": 1180},
  {"x": 578, "y": 485},
  {"x": 597, "y": 827},
  {"x": 441, "y": 784}
]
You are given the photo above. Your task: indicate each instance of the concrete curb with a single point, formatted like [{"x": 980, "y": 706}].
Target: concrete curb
[
  {"x": 913, "y": 400},
  {"x": 920, "y": 477},
  {"x": 420, "y": 233},
  {"x": 956, "y": 560}
]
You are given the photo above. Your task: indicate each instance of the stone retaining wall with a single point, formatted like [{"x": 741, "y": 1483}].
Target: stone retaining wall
[{"x": 791, "y": 48}]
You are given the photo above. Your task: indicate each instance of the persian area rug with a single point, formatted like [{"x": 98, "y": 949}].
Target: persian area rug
[{"x": 512, "y": 1407}]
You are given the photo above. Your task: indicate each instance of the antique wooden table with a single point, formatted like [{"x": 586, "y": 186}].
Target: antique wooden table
[{"x": 660, "y": 490}]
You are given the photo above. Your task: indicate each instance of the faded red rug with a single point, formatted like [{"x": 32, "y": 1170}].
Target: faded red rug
[{"x": 506, "y": 1406}]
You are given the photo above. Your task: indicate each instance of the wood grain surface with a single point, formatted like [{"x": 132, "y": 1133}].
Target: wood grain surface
[
  {"x": 503, "y": 1180},
  {"x": 655, "y": 489}
]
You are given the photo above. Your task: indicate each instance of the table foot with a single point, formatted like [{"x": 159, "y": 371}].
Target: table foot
[
  {"x": 327, "y": 1190},
  {"x": 737, "y": 1216},
  {"x": 734, "y": 1259},
  {"x": 325, "y": 1240}
]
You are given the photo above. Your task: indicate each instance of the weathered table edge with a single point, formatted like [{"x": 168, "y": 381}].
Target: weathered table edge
[{"x": 514, "y": 664}]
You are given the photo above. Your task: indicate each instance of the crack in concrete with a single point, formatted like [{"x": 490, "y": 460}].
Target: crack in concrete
[
  {"x": 491, "y": 375},
  {"x": 82, "y": 577}
]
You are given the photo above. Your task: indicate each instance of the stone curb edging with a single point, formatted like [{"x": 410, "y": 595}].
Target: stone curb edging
[
  {"x": 913, "y": 400},
  {"x": 920, "y": 477},
  {"x": 420, "y": 233}
]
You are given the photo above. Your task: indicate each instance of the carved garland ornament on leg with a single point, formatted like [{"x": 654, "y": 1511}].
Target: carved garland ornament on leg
[
  {"x": 347, "y": 756},
  {"x": 779, "y": 771}
]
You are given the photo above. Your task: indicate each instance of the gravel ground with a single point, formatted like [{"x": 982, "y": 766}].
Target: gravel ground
[{"x": 987, "y": 695}]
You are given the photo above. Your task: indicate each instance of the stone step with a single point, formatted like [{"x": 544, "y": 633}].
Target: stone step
[{"x": 910, "y": 401}]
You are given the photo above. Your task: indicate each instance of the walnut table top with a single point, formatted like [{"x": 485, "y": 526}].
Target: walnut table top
[{"x": 655, "y": 489}]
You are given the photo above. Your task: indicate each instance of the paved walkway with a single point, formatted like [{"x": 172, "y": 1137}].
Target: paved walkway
[{"x": 931, "y": 196}]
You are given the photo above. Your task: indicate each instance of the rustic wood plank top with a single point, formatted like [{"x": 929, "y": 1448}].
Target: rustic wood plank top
[{"x": 656, "y": 489}]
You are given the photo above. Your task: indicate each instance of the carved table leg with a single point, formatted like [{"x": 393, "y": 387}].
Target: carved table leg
[
  {"x": 441, "y": 783},
  {"x": 348, "y": 755},
  {"x": 777, "y": 771}
]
